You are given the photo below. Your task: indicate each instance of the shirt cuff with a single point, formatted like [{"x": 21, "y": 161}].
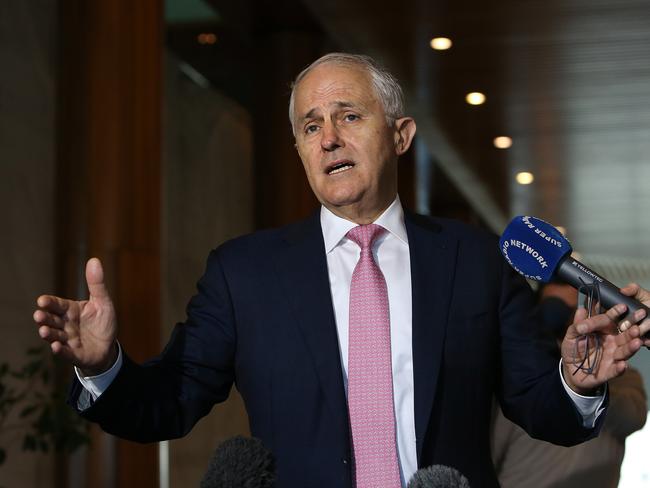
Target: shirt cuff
[
  {"x": 98, "y": 384},
  {"x": 590, "y": 407}
]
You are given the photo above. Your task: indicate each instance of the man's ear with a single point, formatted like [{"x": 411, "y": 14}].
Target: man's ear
[{"x": 404, "y": 133}]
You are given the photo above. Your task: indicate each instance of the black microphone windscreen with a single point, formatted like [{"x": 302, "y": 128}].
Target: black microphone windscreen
[
  {"x": 438, "y": 476},
  {"x": 240, "y": 462}
]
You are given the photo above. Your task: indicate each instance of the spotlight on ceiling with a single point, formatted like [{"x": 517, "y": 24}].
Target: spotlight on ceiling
[
  {"x": 441, "y": 43},
  {"x": 525, "y": 178},
  {"x": 475, "y": 98},
  {"x": 206, "y": 38},
  {"x": 502, "y": 142}
]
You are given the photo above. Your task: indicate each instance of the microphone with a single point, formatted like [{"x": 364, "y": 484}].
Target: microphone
[
  {"x": 538, "y": 251},
  {"x": 438, "y": 476},
  {"x": 240, "y": 462}
]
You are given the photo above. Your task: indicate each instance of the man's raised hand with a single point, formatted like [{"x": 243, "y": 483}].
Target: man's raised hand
[
  {"x": 84, "y": 332},
  {"x": 587, "y": 368}
]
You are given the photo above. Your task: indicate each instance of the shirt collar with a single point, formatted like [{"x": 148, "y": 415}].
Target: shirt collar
[{"x": 335, "y": 228}]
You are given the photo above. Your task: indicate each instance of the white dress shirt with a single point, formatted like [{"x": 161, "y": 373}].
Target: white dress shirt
[{"x": 391, "y": 252}]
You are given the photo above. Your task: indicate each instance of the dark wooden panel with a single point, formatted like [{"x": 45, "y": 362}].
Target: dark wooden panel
[{"x": 109, "y": 184}]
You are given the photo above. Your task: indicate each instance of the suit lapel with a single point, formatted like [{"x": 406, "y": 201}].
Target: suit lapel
[
  {"x": 433, "y": 257},
  {"x": 302, "y": 268}
]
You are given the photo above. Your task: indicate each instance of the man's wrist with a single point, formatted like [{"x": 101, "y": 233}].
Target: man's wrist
[
  {"x": 105, "y": 365},
  {"x": 586, "y": 392}
]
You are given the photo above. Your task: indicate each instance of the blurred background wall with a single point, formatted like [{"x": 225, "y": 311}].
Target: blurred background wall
[{"x": 28, "y": 60}]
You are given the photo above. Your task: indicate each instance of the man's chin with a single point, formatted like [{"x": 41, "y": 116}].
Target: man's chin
[
  {"x": 342, "y": 202},
  {"x": 353, "y": 209}
]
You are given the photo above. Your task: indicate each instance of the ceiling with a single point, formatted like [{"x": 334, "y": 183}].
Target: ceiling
[{"x": 568, "y": 81}]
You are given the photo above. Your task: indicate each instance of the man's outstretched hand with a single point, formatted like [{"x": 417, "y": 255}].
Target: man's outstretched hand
[
  {"x": 607, "y": 352},
  {"x": 84, "y": 332}
]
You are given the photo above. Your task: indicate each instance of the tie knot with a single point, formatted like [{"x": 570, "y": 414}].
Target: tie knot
[{"x": 365, "y": 235}]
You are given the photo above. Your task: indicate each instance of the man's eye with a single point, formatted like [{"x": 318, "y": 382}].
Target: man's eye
[
  {"x": 310, "y": 129},
  {"x": 351, "y": 117}
]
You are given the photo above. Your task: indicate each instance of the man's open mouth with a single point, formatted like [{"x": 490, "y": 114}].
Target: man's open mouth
[{"x": 339, "y": 167}]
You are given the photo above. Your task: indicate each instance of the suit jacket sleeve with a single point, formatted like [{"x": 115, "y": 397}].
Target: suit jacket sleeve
[
  {"x": 532, "y": 394},
  {"x": 165, "y": 397}
]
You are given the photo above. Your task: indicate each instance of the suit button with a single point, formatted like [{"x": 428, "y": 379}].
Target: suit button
[{"x": 345, "y": 461}]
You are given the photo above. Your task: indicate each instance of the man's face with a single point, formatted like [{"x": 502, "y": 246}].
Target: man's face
[{"x": 346, "y": 145}]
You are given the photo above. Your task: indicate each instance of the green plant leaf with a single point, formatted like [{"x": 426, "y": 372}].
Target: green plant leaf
[
  {"x": 33, "y": 367},
  {"x": 30, "y": 393}
]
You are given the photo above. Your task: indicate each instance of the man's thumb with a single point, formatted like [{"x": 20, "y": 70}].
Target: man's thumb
[{"x": 95, "y": 279}]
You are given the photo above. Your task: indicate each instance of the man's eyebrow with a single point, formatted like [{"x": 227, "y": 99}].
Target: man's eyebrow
[
  {"x": 310, "y": 115},
  {"x": 313, "y": 113}
]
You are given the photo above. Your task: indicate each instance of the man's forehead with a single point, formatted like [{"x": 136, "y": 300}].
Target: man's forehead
[
  {"x": 331, "y": 78},
  {"x": 334, "y": 105},
  {"x": 334, "y": 87}
]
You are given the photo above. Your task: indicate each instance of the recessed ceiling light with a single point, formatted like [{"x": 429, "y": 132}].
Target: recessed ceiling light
[
  {"x": 525, "y": 178},
  {"x": 475, "y": 98},
  {"x": 502, "y": 142},
  {"x": 441, "y": 43},
  {"x": 206, "y": 38}
]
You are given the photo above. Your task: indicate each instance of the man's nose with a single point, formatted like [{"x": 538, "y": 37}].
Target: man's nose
[{"x": 330, "y": 138}]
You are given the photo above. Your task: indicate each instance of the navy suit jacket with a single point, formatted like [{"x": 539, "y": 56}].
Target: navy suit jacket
[{"x": 263, "y": 319}]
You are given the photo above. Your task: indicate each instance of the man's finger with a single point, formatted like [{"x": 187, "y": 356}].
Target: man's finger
[
  {"x": 61, "y": 349},
  {"x": 51, "y": 334},
  {"x": 634, "y": 290},
  {"x": 41, "y": 317},
  {"x": 64, "y": 351},
  {"x": 627, "y": 349},
  {"x": 95, "y": 279},
  {"x": 53, "y": 304},
  {"x": 600, "y": 321},
  {"x": 630, "y": 289},
  {"x": 644, "y": 327},
  {"x": 637, "y": 317}
]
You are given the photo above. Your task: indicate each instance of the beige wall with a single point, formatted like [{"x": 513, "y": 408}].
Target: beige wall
[
  {"x": 27, "y": 60},
  {"x": 207, "y": 198}
]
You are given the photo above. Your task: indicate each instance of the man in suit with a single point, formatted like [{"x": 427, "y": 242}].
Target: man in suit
[{"x": 366, "y": 341}]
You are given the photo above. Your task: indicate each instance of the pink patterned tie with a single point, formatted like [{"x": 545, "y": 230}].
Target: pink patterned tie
[{"x": 370, "y": 377}]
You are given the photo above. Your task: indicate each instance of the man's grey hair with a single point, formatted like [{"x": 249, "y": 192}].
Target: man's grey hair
[{"x": 385, "y": 84}]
